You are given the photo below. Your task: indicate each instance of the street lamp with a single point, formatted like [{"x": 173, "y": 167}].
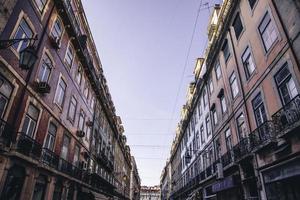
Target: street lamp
[{"x": 28, "y": 58}]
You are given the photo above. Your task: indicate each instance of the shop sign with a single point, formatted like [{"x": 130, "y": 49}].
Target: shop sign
[{"x": 225, "y": 184}]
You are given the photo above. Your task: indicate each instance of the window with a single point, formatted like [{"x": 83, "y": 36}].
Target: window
[
  {"x": 202, "y": 134},
  {"x": 69, "y": 55},
  {"x": 233, "y": 85},
  {"x": 45, "y": 69},
  {"x": 228, "y": 139},
  {"x": 76, "y": 156},
  {"x": 237, "y": 26},
  {"x": 241, "y": 126},
  {"x": 214, "y": 115},
  {"x": 285, "y": 84},
  {"x": 57, "y": 29},
  {"x": 223, "y": 103},
  {"x": 60, "y": 93},
  {"x": 218, "y": 148},
  {"x": 78, "y": 75},
  {"x": 65, "y": 147},
  {"x": 23, "y": 31},
  {"x": 210, "y": 85},
  {"x": 86, "y": 91},
  {"x": 50, "y": 138},
  {"x": 225, "y": 50},
  {"x": 5, "y": 93},
  {"x": 252, "y": 3},
  {"x": 72, "y": 109},
  {"x": 93, "y": 103},
  {"x": 248, "y": 63},
  {"x": 30, "y": 121},
  {"x": 267, "y": 31},
  {"x": 259, "y": 110},
  {"x": 88, "y": 132},
  {"x": 200, "y": 108},
  {"x": 218, "y": 71},
  {"x": 205, "y": 100},
  {"x": 208, "y": 129},
  {"x": 41, "y": 4},
  {"x": 81, "y": 120},
  {"x": 40, "y": 188}
]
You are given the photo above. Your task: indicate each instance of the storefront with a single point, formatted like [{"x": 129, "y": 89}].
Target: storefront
[
  {"x": 228, "y": 189},
  {"x": 282, "y": 182}
]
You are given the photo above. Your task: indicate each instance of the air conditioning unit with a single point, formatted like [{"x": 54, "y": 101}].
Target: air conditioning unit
[
  {"x": 43, "y": 87},
  {"x": 55, "y": 41},
  {"x": 89, "y": 123},
  {"x": 220, "y": 174},
  {"x": 80, "y": 133},
  {"x": 83, "y": 165}
]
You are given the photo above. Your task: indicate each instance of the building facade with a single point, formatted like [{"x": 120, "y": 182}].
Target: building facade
[
  {"x": 135, "y": 181},
  {"x": 60, "y": 137},
  {"x": 165, "y": 182},
  {"x": 238, "y": 136},
  {"x": 150, "y": 193}
]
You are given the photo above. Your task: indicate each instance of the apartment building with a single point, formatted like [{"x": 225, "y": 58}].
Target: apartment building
[
  {"x": 150, "y": 193},
  {"x": 242, "y": 109},
  {"x": 59, "y": 134},
  {"x": 165, "y": 182},
  {"x": 135, "y": 181}
]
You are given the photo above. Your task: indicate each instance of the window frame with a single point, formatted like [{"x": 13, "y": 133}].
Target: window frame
[
  {"x": 245, "y": 61},
  {"x": 240, "y": 32},
  {"x": 57, "y": 90},
  {"x": 261, "y": 33},
  {"x": 233, "y": 83},
  {"x": 72, "y": 118}
]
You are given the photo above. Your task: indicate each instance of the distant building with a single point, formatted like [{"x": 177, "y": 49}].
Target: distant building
[
  {"x": 135, "y": 181},
  {"x": 150, "y": 193},
  {"x": 165, "y": 182}
]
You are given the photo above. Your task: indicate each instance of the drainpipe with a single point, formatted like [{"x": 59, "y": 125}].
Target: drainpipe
[
  {"x": 27, "y": 79},
  {"x": 290, "y": 43}
]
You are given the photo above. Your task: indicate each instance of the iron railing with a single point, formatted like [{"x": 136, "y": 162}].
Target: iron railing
[
  {"x": 263, "y": 134},
  {"x": 243, "y": 148},
  {"x": 50, "y": 158},
  {"x": 29, "y": 146},
  {"x": 227, "y": 158},
  {"x": 288, "y": 115}
]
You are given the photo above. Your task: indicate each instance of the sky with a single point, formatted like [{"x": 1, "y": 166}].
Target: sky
[{"x": 148, "y": 49}]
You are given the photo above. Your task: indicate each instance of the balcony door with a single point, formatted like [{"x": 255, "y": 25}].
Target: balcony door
[{"x": 65, "y": 147}]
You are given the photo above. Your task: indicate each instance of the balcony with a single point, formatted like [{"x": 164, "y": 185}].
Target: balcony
[
  {"x": 227, "y": 158},
  {"x": 70, "y": 169},
  {"x": 6, "y": 131},
  {"x": 262, "y": 136},
  {"x": 50, "y": 158},
  {"x": 243, "y": 149},
  {"x": 29, "y": 146},
  {"x": 288, "y": 117},
  {"x": 42, "y": 87}
]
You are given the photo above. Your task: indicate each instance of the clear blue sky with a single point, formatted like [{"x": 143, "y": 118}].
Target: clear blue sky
[{"x": 143, "y": 47}]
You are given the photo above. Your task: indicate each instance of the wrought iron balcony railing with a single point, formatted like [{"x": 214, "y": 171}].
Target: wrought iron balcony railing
[
  {"x": 288, "y": 116},
  {"x": 50, "y": 158},
  {"x": 227, "y": 158},
  {"x": 262, "y": 135},
  {"x": 29, "y": 146},
  {"x": 243, "y": 148}
]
